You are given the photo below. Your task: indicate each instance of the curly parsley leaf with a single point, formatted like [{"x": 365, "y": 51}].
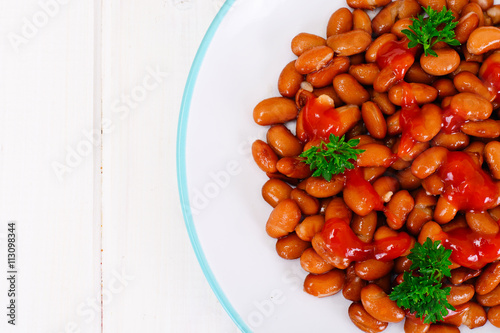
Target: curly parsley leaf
[
  {"x": 421, "y": 291},
  {"x": 331, "y": 158},
  {"x": 425, "y": 31}
]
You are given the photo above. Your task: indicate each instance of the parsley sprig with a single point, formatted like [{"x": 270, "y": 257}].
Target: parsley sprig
[
  {"x": 332, "y": 158},
  {"x": 425, "y": 30},
  {"x": 422, "y": 291}
]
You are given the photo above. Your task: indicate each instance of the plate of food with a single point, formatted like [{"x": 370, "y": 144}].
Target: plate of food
[{"x": 338, "y": 164}]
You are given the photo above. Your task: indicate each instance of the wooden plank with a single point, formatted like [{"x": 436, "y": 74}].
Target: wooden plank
[
  {"x": 48, "y": 171},
  {"x": 143, "y": 230}
]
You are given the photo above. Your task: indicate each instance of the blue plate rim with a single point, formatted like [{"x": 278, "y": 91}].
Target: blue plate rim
[{"x": 181, "y": 166}]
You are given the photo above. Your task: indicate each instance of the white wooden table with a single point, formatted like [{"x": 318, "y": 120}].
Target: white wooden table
[{"x": 90, "y": 94}]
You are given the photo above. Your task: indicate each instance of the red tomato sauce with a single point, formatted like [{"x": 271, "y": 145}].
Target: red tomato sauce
[
  {"x": 471, "y": 249},
  {"x": 320, "y": 120},
  {"x": 396, "y": 55},
  {"x": 354, "y": 179},
  {"x": 467, "y": 186},
  {"x": 343, "y": 243},
  {"x": 408, "y": 118}
]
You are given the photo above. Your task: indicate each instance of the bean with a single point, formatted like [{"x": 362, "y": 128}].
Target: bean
[
  {"x": 398, "y": 208},
  {"x": 311, "y": 262},
  {"x": 384, "y": 232},
  {"x": 460, "y": 294},
  {"x": 377, "y": 303},
  {"x": 374, "y": 120},
  {"x": 385, "y": 283},
  {"x": 313, "y": 59},
  {"x": 283, "y": 219},
  {"x": 484, "y": 4},
  {"x": 488, "y": 128},
  {"x": 293, "y": 167},
  {"x": 283, "y": 142},
  {"x": 349, "y": 43},
  {"x": 437, "y": 5},
  {"x": 384, "y": 20},
  {"x": 349, "y": 90},
  {"x": 275, "y": 190},
  {"x": 445, "y": 88},
  {"x": 428, "y": 162},
  {"x": 429, "y": 230},
  {"x": 372, "y": 173},
  {"x": 310, "y": 227},
  {"x": 363, "y": 320},
  {"x": 466, "y": 26},
  {"x": 416, "y": 74},
  {"x": 474, "y": 7},
  {"x": 364, "y": 73},
  {"x": 325, "y": 75},
  {"x": 337, "y": 208},
  {"x": 483, "y": 39},
  {"x": 492, "y": 156},
  {"x": 308, "y": 205},
  {"x": 458, "y": 222},
  {"x": 372, "y": 51},
  {"x": 364, "y": 226},
  {"x": 386, "y": 187},
  {"x": 400, "y": 25},
  {"x": 305, "y": 41},
  {"x": 277, "y": 175},
  {"x": 423, "y": 93},
  {"x": 453, "y": 141},
  {"x": 471, "y": 106},
  {"x": 445, "y": 211},
  {"x": 339, "y": 22},
  {"x": 291, "y": 246},
  {"x": 320, "y": 188},
  {"x": 357, "y": 59},
  {"x": 326, "y": 284},
  {"x": 462, "y": 274},
  {"x": 440, "y": 328},
  {"x": 468, "y": 82},
  {"x": 466, "y": 66},
  {"x": 383, "y": 102},
  {"x": 494, "y": 315},
  {"x": 490, "y": 299},
  {"x": 372, "y": 269},
  {"x": 494, "y": 14},
  {"x": 407, "y": 180},
  {"x": 476, "y": 148},
  {"x": 289, "y": 80},
  {"x": 353, "y": 285},
  {"x": 402, "y": 264},
  {"x": 418, "y": 147},
  {"x": 414, "y": 325},
  {"x": 361, "y": 21},
  {"x": 274, "y": 110},
  {"x": 367, "y": 4},
  {"x": 445, "y": 63},
  {"x": 489, "y": 279},
  {"x": 264, "y": 156},
  {"x": 456, "y": 5},
  {"x": 433, "y": 184},
  {"x": 482, "y": 222},
  {"x": 330, "y": 92},
  {"x": 476, "y": 316},
  {"x": 375, "y": 155}
]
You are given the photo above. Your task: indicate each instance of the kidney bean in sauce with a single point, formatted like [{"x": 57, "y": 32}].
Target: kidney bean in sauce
[{"x": 426, "y": 124}]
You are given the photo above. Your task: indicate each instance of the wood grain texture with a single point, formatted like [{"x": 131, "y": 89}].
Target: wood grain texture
[
  {"x": 143, "y": 228},
  {"x": 47, "y": 174}
]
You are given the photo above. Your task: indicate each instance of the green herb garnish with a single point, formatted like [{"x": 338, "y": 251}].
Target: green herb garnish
[
  {"x": 425, "y": 30},
  {"x": 333, "y": 157},
  {"x": 421, "y": 291}
]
